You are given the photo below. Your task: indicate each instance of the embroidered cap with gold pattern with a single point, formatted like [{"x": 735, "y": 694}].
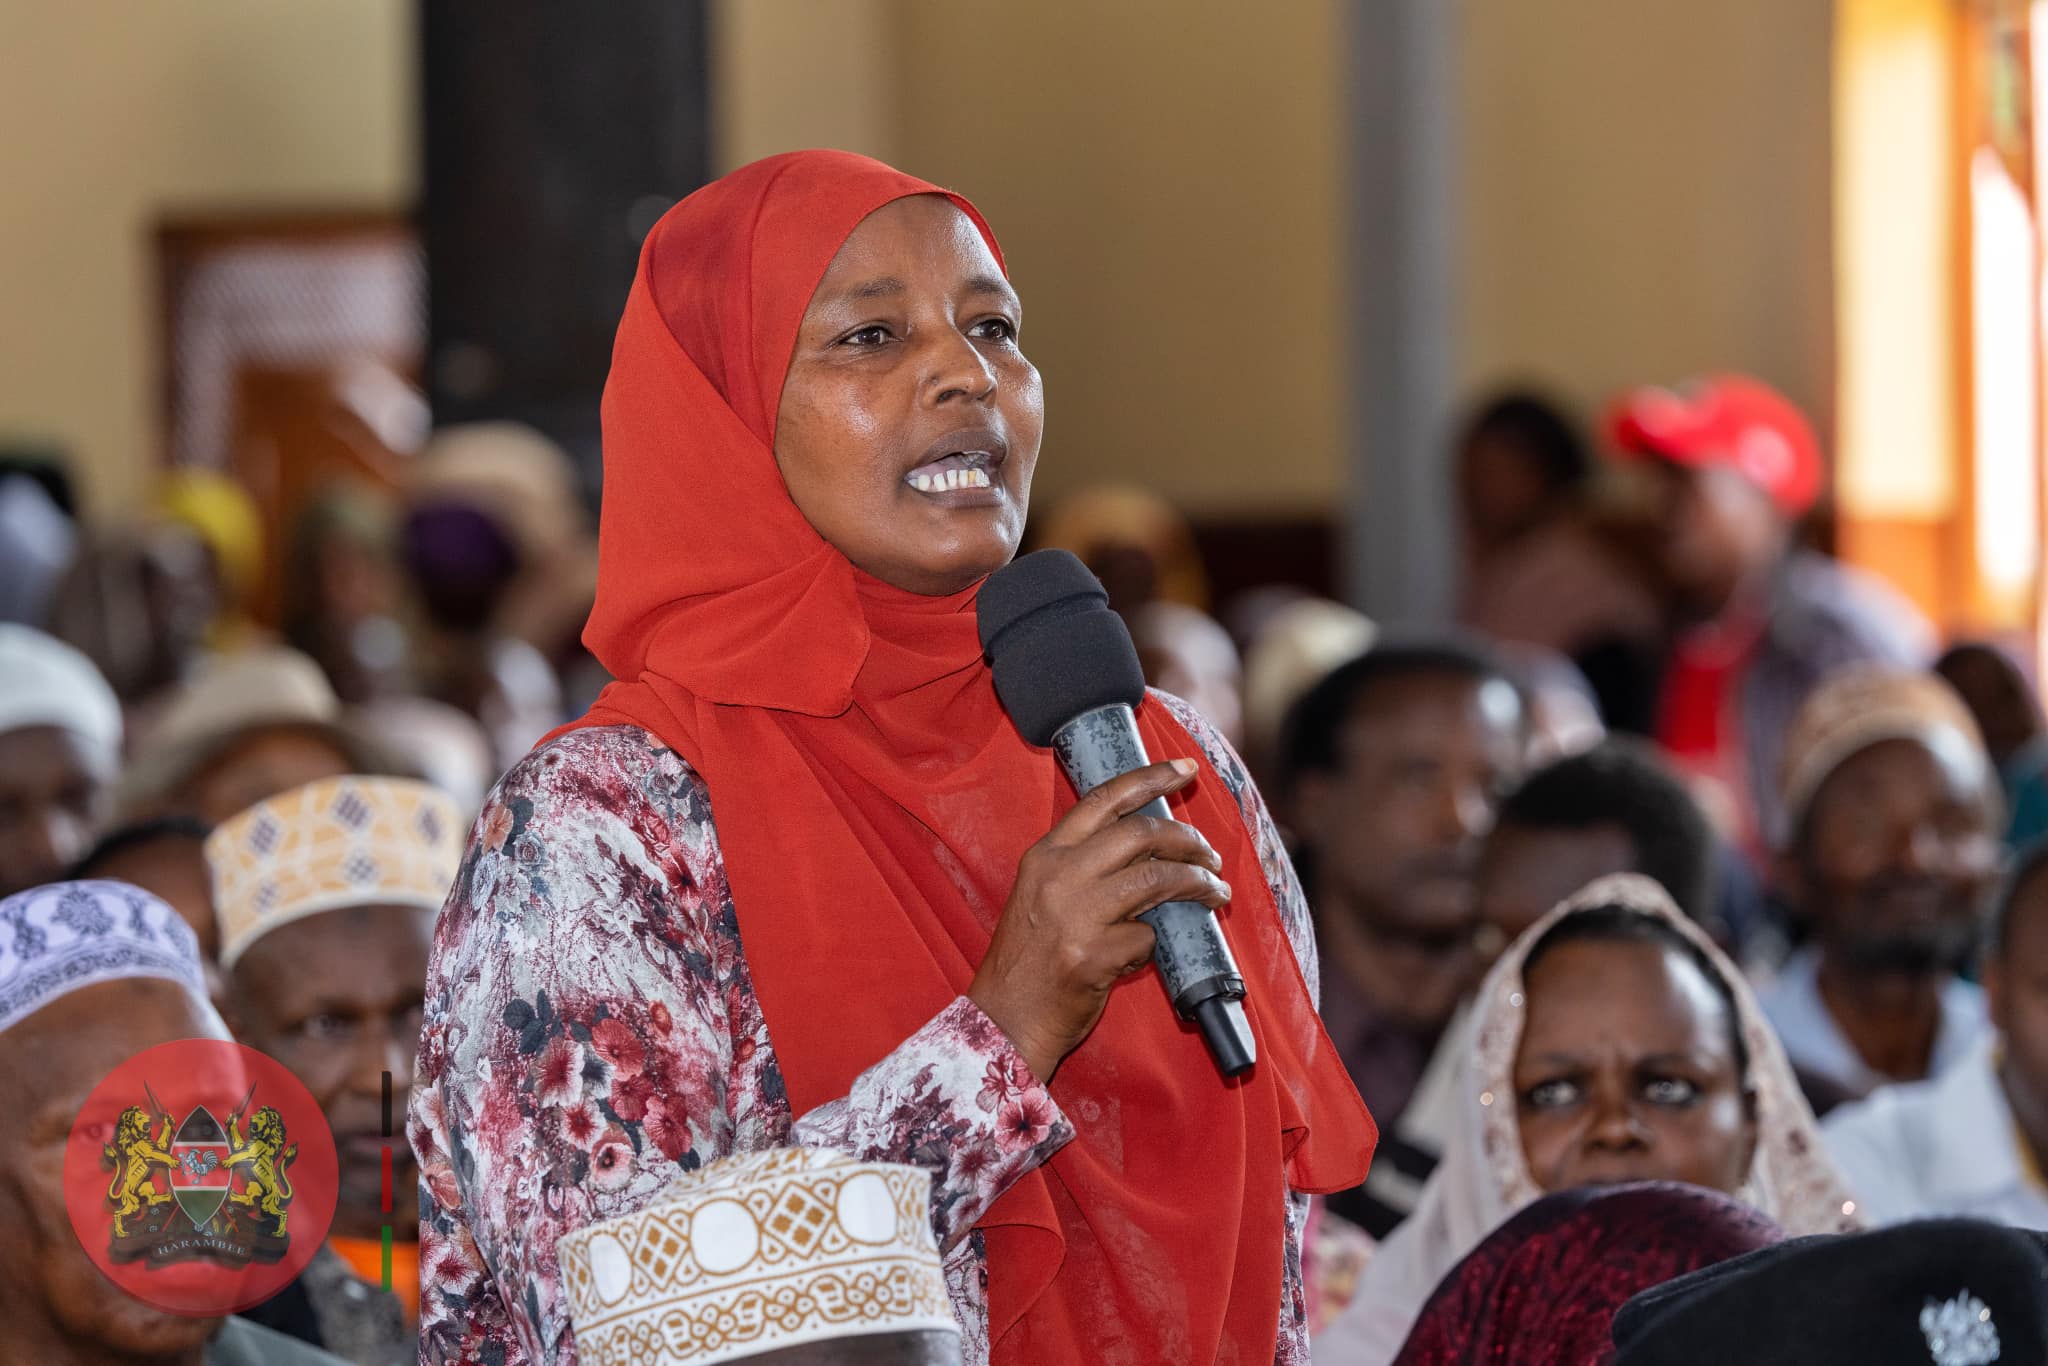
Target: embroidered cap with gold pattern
[
  {"x": 754, "y": 1253},
  {"x": 330, "y": 845}
]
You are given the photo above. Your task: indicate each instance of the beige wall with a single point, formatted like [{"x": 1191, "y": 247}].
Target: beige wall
[
  {"x": 802, "y": 73},
  {"x": 118, "y": 112},
  {"x": 1165, "y": 177},
  {"x": 1646, "y": 192}
]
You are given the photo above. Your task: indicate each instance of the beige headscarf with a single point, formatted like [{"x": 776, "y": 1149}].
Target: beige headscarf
[{"x": 1484, "y": 1178}]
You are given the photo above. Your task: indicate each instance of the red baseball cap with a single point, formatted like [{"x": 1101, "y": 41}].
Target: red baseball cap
[{"x": 1727, "y": 420}]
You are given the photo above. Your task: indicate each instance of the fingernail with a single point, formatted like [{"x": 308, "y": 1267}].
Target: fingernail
[{"x": 1184, "y": 767}]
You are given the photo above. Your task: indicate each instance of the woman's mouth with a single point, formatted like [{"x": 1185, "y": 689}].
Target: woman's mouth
[
  {"x": 967, "y": 470},
  {"x": 966, "y": 462}
]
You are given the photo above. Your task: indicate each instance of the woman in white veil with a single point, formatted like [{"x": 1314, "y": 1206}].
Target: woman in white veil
[{"x": 1485, "y": 1176}]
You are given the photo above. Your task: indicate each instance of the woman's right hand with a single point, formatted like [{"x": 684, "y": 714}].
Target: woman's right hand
[{"x": 1067, "y": 933}]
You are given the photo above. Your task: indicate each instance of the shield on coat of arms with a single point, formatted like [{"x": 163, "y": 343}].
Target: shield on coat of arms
[{"x": 201, "y": 1180}]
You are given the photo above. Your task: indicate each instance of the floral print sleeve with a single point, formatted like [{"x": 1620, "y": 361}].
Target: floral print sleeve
[
  {"x": 591, "y": 1033},
  {"x": 1294, "y": 917}
]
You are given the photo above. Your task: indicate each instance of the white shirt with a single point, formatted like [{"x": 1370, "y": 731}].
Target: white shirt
[
  {"x": 1816, "y": 1044},
  {"x": 1945, "y": 1147}
]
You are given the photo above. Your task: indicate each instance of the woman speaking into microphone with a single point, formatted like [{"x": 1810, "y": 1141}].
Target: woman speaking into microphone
[{"x": 796, "y": 880}]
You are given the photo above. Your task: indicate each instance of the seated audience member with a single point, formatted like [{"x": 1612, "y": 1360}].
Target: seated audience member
[
  {"x": 1893, "y": 854},
  {"x": 1614, "y": 809},
  {"x": 60, "y": 745},
  {"x": 724, "y": 1293},
  {"x": 1293, "y": 650},
  {"x": 122, "y": 974},
  {"x": 1539, "y": 570},
  {"x": 495, "y": 544},
  {"x": 38, "y": 540},
  {"x": 344, "y": 590},
  {"x": 1617, "y": 808},
  {"x": 2009, "y": 715},
  {"x": 1544, "y": 1287},
  {"x": 1735, "y": 466},
  {"x": 1136, "y": 542},
  {"x": 1949, "y": 1292},
  {"x": 138, "y": 601},
  {"x": 247, "y": 727},
  {"x": 441, "y": 744},
  {"x": 1392, "y": 766},
  {"x": 167, "y": 859},
  {"x": 1187, "y": 653},
  {"x": 1613, "y": 1043},
  {"x": 326, "y": 896},
  {"x": 1970, "y": 1142},
  {"x": 220, "y": 513}
]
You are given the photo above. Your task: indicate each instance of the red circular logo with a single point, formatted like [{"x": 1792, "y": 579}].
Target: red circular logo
[{"x": 201, "y": 1177}]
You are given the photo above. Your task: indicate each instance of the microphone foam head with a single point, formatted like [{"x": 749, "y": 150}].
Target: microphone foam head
[{"x": 1056, "y": 648}]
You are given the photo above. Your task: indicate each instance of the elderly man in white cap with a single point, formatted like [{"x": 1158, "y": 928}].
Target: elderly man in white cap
[
  {"x": 326, "y": 897},
  {"x": 790, "y": 1256},
  {"x": 92, "y": 973},
  {"x": 60, "y": 746}
]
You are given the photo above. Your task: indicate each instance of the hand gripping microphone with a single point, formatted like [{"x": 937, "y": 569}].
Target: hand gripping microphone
[{"x": 1067, "y": 673}]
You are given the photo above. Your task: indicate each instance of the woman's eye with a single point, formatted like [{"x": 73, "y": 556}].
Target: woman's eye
[
  {"x": 1670, "y": 1091},
  {"x": 996, "y": 329},
  {"x": 1550, "y": 1095},
  {"x": 867, "y": 336}
]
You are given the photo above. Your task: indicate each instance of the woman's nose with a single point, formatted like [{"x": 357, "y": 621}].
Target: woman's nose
[
  {"x": 958, "y": 370},
  {"x": 1615, "y": 1128}
]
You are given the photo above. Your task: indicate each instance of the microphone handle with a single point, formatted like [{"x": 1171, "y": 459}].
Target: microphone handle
[{"x": 1194, "y": 959}]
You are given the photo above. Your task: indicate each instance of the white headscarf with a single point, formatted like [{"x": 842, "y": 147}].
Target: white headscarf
[{"x": 1484, "y": 1177}]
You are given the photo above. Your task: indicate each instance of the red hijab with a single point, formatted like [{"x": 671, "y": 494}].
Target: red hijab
[{"x": 872, "y": 801}]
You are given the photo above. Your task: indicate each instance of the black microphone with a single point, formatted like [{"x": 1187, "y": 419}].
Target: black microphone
[{"x": 1067, "y": 673}]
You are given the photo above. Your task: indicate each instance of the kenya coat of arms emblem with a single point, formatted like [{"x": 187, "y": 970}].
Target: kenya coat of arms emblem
[{"x": 202, "y": 1176}]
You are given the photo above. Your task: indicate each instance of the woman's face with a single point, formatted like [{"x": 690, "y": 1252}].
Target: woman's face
[
  {"x": 910, "y": 419},
  {"x": 1627, "y": 1071}
]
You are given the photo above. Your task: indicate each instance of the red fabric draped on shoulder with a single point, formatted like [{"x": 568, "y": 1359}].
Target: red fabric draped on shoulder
[{"x": 872, "y": 801}]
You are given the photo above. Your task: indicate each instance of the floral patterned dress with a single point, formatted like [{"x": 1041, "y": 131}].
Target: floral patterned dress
[{"x": 591, "y": 1032}]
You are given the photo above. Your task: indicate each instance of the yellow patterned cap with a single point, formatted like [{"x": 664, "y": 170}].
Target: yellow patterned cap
[
  {"x": 330, "y": 845},
  {"x": 755, "y": 1253}
]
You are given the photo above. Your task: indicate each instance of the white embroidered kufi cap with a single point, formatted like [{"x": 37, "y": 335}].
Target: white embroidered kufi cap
[
  {"x": 58, "y": 938},
  {"x": 754, "y": 1253}
]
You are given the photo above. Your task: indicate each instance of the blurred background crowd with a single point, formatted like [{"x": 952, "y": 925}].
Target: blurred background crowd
[{"x": 1549, "y": 440}]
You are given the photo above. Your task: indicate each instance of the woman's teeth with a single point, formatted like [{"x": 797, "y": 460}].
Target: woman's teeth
[{"x": 943, "y": 481}]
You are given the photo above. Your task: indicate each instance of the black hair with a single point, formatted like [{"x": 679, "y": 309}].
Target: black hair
[
  {"x": 1311, "y": 737},
  {"x": 1539, "y": 426},
  {"x": 1616, "y": 923},
  {"x": 1621, "y": 782},
  {"x": 2026, "y": 865},
  {"x": 119, "y": 841}
]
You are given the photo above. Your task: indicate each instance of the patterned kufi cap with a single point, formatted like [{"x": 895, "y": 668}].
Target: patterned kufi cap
[
  {"x": 67, "y": 935},
  {"x": 328, "y": 846},
  {"x": 1862, "y": 707},
  {"x": 755, "y": 1253}
]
